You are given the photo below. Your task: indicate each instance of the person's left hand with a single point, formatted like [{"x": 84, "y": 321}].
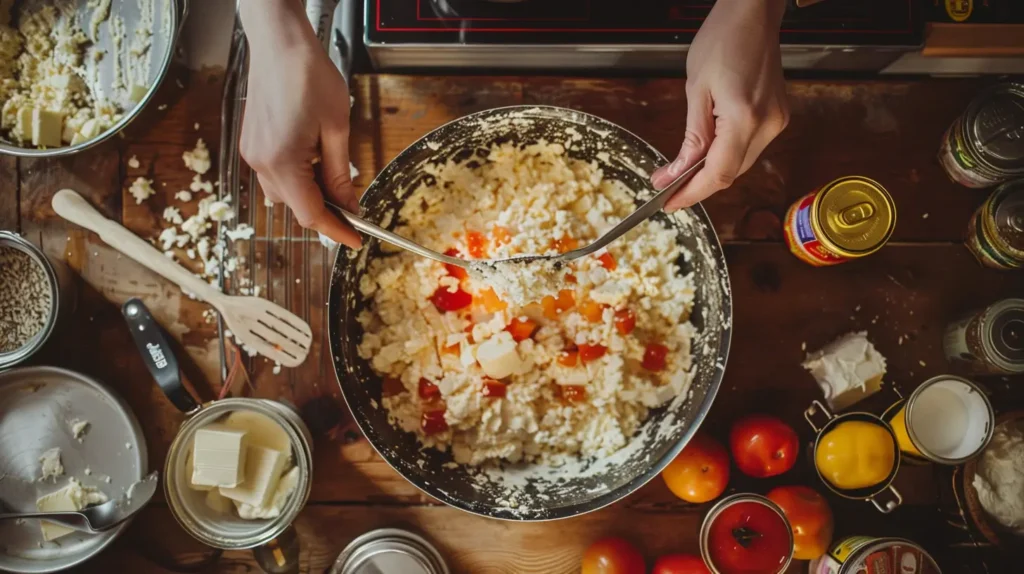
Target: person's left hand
[{"x": 735, "y": 97}]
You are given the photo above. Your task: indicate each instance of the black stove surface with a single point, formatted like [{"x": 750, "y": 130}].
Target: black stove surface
[{"x": 845, "y": 22}]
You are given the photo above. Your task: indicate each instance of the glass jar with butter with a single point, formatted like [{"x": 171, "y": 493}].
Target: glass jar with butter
[{"x": 239, "y": 470}]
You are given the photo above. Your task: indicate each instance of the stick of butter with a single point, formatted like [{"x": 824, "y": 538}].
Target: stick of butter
[
  {"x": 848, "y": 369},
  {"x": 47, "y": 128},
  {"x": 73, "y": 497},
  {"x": 263, "y": 467},
  {"x": 218, "y": 456}
]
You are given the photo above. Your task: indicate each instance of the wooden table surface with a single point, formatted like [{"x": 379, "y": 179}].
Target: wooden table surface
[{"x": 903, "y": 296}]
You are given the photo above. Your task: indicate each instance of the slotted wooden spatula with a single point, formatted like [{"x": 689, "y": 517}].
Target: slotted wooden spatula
[{"x": 271, "y": 330}]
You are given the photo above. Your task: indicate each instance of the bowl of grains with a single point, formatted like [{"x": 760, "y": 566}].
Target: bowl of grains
[
  {"x": 34, "y": 292},
  {"x": 75, "y": 72},
  {"x": 554, "y": 391}
]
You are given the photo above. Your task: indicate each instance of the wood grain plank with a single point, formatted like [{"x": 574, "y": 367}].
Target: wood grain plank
[{"x": 9, "y": 216}]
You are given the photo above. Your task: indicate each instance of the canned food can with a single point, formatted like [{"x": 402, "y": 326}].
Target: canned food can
[
  {"x": 869, "y": 555},
  {"x": 849, "y": 218},
  {"x": 995, "y": 234},
  {"x": 762, "y": 518},
  {"x": 989, "y": 341},
  {"x": 390, "y": 550},
  {"x": 946, "y": 420},
  {"x": 60, "y": 287},
  {"x": 985, "y": 145}
]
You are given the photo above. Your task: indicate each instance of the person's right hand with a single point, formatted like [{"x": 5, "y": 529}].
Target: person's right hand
[{"x": 296, "y": 110}]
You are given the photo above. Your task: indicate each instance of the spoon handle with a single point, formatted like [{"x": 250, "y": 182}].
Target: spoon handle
[
  {"x": 397, "y": 240},
  {"x": 642, "y": 213}
]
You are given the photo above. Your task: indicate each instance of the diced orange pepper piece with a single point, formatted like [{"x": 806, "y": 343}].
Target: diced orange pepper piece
[
  {"x": 569, "y": 358},
  {"x": 451, "y": 349},
  {"x": 476, "y": 243},
  {"x": 570, "y": 278},
  {"x": 454, "y": 270},
  {"x": 502, "y": 235},
  {"x": 625, "y": 321},
  {"x": 608, "y": 261},
  {"x": 592, "y": 352},
  {"x": 521, "y": 329},
  {"x": 565, "y": 244},
  {"x": 491, "y": 302},
  {"x": 553, "y": 307},
  {"x": 573, "y": 393},
  {"x": 592, "y": 310}
]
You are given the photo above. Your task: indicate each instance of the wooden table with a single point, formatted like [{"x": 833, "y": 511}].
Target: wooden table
[{"x": 903, "y": 296}]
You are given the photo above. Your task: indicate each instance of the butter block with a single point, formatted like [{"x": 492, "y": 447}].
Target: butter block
[
  {"x": 215, "y": 501},
  {"x": 219, "y": 456},
  {"x": 499, "y": 357},
  {"x": 73, "y": 497},
  {"x": 47, "y": 128},
  {"x": 263, "y": 468},
  {"x": 285, "y": 488},
  {"x": 23, "y": 124},
  {"x": 262, "y": 430},
  {"x": 848, "y": 370}
]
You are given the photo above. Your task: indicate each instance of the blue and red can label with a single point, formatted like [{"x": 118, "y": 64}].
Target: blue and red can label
[{"x": 801, "y": 239}]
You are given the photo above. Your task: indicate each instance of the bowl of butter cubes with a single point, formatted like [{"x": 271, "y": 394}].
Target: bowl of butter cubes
[{"x": 75, "y": 72}]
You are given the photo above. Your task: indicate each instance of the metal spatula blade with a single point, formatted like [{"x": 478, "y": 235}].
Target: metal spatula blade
[{"x": 265, "y": 327}]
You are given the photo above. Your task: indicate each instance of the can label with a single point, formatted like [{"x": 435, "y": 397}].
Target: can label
[
  {"x": 800, "y": 237},
  {"x": 890, "y": 557},
  {"x": 832, "y": 562},
  {"x": 959, "y": 163},
  {"x": 982, "y": 246}
]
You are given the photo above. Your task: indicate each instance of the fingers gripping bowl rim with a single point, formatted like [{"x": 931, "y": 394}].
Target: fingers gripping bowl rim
[{"x": 534, "y": 492}]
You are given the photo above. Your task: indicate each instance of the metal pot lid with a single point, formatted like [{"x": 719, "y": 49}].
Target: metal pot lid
[
  {"x": 389, "y": 550},
  {"x": 997, "y": 127},
  {"x": 1008, "y": 335}
]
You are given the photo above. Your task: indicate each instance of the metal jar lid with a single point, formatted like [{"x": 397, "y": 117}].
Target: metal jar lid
[
  {"x": 1005, "y": 333},
  {"x": 1006, "y": 208},
  {"x": 995, "y": 127},
  {"x": 390, "y": 550},
  {"x": 856, "y": 214}
]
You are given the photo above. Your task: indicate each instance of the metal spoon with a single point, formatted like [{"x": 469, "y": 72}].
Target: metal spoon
[
  {"x": 642, "y": 213},
  {"x": 102, "y": 516}
]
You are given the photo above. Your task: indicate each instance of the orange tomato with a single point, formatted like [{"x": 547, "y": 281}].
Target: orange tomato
[
  {"x": 700, "y": 472},
  {"x": 521, "y": 329},
  {"x": 491, "y": 302},
  {"x": 568, "y": 358},
  {"x": 592, "y": 352},
  {"x": 608, "y": 261},
  {"x": 612, "y": 556},
  {"x": 810, "y": 517},
  {"x": 625, "y": 321},
  {"x": 476, "y": 243},
  {"x": 502, "y": 235},
  {"x": 565, "y": 244},
  {"x": 592, "y": 311}
]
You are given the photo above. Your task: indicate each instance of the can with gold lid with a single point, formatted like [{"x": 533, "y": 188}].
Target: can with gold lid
[
  {"x": 846, "y": 219},
  {"x": 995, "y": 234}
]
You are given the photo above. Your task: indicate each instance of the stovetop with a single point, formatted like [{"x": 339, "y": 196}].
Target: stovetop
[{"x": 830, "y": 22}]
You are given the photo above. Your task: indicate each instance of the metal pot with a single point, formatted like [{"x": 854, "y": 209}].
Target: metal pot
[
  {"x": 538, "y": 492},
  {"x": 166, "y": 29}
]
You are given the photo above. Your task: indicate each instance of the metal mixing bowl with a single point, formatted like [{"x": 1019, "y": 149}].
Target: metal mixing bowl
[
  {"x": 166, "y": 26},
  {"x": 530, "y": 491}
]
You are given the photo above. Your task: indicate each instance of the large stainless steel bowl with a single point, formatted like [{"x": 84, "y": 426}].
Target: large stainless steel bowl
[
  {"x": 168, "y": 17},
  {"x": 535, "y": 492}
]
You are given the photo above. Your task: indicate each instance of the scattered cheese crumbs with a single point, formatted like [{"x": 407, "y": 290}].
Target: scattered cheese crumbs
[
  {"x": 243, "y": 231},
  {"x": 162, "y": 107},
  {"x": 195, "y": 126},
  {"x": 924, "y": 216},
  {"x": 922, "y": 363},
  {"x": 803, "y": 346},
  {"x": 50, "y": 466},
  {"x": 198, "y": 159},
  {"x": 172, "y": 215},
  {"x": 141, "y": 189},
  {"x": 198, "y": 184},
  {"x": 277, "y": 368},
  {"x": 221, "y": 211},
  {"x": 78, "y": 428},
  {"x": 183, "y": 195},
  {"x": 133, "y": 162}
]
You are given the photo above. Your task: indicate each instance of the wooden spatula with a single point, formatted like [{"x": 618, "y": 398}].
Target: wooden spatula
[{"x": 271, "y": 330}]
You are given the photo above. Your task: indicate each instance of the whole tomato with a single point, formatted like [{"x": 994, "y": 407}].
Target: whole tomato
[
  {"x": 701, "y": 471},
  {"x": 680, "y": 564},
  {"x": 763, "y": 446},
  {"x": 612, "y": 556},
  {"x": 810, "y": 517}
]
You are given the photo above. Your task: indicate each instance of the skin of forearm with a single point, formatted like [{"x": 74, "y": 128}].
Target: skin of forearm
[{"x": 275, "y": 24}]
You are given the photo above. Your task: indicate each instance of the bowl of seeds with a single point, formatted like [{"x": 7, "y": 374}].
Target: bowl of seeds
[{"x": 34, "y": 292}]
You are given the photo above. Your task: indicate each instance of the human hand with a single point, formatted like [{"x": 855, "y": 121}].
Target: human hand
[
  {"x": 735, "y": 97},
  {"x": 296, "y": 110}
]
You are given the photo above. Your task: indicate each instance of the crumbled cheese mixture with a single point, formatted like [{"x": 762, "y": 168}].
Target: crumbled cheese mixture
[
  {"x": 141, "y": 189},
  {"x": 198, "y": 159},
  {"x": 45, "y": 98},
  {"x": 521, "y": 283},
  {"x": 534, "y": 200}
]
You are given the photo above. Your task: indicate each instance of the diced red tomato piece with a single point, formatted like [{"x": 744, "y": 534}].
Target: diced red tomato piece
[
  {"x": 521, "y": 329},
  {"x": 491, "y": 302},
  {"x": 494, "y": 389},
  {"x": 502, "y": 235},
  {"x": 476, "y": 243},
  {"x": 592, "y": 311},
  {"x": 432, "y": 422},
  {"x": 573, "y": 393},
  {"x": 569, "y": 358},
  {"x": 446, "y": 300},
  {"x": 608, "y": 261},
  {"x": 565, "y": 244},
  {"x": 625, "y": 321},
  {"x": 592, "y": 352},
  {"x": 428, "y": 390},
  {"x": 454, "y": 270},
  {"x": 570, "y": 278},
  {"x": 391, "y": 387},
  {"x": 654, "y": 357}
]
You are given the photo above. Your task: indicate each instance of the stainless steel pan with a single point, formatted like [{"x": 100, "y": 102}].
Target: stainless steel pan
[{"x": 534, "y": 492}]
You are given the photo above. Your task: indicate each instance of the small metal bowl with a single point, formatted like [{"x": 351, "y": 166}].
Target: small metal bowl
[
  {"x": 63, "y": 296},
  {"x": 166, "y": 27}
]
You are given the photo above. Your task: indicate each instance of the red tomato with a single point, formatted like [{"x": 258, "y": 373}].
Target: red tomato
[
  {"x": 612, "y": 556},
  {"x": 446, "y": 300},
  {"x": 748, "y": 537},
  {"x": 625, "y": 321},
  {"x": 763, "y": 446},
  {"x": 680, "y": 564},
  {"x": 810, "y": 517},
  {"x": 521, "y": 329},
  {"x": 573, "y": 393},
  {"x": 454, "y": 270},
  {"x": 432, "y": 422},
  {"x": 493, "y": 389},
  {"x": 608, "y": 261},
  {"x": 428, "y": 390},
  {"x": 654, "y": 357},
  {"x": 591, "y": 352},
  {"x": 701, "y": 472},
  {"x": 476, "y": 242}
]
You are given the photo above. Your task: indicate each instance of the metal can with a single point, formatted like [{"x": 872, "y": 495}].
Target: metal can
[
  {"x": 869, "y": 555},
  {"x": 995, "y": 233},
  {"x": 990, "y": 341},
  {"x": 390, "y": 550},
  {"x": 985, "y": 145},
  {"x": 62, "y": 290},
  {"x": 776, "y": 521},
  {"x": 849, "y": 218}
]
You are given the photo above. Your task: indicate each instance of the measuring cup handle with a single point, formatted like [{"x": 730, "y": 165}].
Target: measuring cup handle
[
  {"x": 157, "y": 354},
  {"x": 280, "y": 555},
  {"x": 887, "y": 500},
  {"x": 819, "y": 412}
]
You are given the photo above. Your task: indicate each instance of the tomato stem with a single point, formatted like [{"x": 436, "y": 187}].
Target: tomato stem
[{"x": 745, "y": 536}]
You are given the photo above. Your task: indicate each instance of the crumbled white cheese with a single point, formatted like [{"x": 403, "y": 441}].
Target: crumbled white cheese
[
  {"x": 78, "y": 428},
  {"x": 141, "y": 189},
  {"x": 199, "y": 184},
  {"x": 999, "y": 479},
  {"x": 198, "y": 159},
  {"x": 242, "y": 231},
  {"x": 185, "y": 196},
  {"x": 221, "y": 211},
  {"x": 50, "y": 466},
  {"x": 133, "y": 162},
  {"x": 172, "y": 215}
]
